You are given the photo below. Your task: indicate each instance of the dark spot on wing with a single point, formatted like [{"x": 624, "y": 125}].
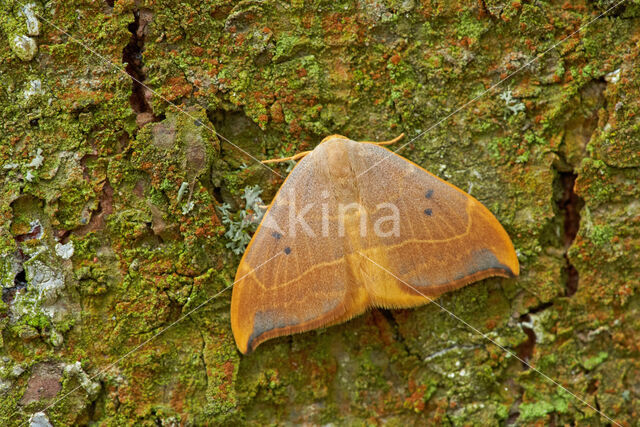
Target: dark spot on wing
[
  {"x": 276, "y": 235},
  {"x": 287, "y": 250},
  {"x": 197, "y": 122},
  {"x": 428, "y": 212},
  {"x": 429, "y": 194}
]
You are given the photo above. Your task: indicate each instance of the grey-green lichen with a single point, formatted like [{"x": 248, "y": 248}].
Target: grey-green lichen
[{"x": 241, "y": 225}]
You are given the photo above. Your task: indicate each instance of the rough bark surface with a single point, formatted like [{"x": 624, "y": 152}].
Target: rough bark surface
[{"x": 119, "y": 213}]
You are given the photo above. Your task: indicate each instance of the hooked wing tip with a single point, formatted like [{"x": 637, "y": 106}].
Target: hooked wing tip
[
  {"x": 241, "y": 341},
  {"x": 245, "y": 349},
  {"x": 510, "y": 272},
  {"x": 512, "y": 265},
  {"x": 486, "y": 260},
  {"x": 514, "y": 269},
  {"x": 263, "y": 322}
]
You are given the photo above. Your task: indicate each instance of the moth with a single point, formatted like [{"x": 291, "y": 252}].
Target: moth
[{"x": 356, "y": 226}]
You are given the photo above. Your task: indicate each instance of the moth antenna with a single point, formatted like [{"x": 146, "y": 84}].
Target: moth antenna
[
  {"x": 392, "y": 141},
  {"x": 286, "y": 159}
]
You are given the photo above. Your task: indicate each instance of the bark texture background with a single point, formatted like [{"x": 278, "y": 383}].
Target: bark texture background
[{"x": 102, "y": 244}]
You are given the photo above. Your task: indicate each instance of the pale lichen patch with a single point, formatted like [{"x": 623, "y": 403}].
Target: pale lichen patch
[
  {"x": 31, "y": 18},
  {"x": 64, "y": 251},
  {"x": 24, "y": 47}
]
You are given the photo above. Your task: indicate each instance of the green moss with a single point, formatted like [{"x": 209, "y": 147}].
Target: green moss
[
  {"x": 532, "y": 411},
  {"x": 601, "y": 235},
  {"x": 470, "y": 26},
  {"x": 594, "y": 361}
]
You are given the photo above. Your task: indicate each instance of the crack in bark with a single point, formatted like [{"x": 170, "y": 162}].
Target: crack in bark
[
  {"x": 526, "y": 349},
  {"x": 578, "y": 131},
  {"x": 484, "y": 10},
  {"x": 592, "y": 389},
  {"x": 97, "y": 219},
  {"x": 19, "y": 283},
  {"x": 132, "y": 57},
  {"x": 20, "y": 279},
  {"x": 570, "y": 205},
  {"x": 397, "y": 335},
  {"x": 525, "y": 352},
  {"x": 204, "y": 362}
]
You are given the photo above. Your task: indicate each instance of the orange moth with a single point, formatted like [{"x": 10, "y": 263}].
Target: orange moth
[{"x": 356, "y": 226}]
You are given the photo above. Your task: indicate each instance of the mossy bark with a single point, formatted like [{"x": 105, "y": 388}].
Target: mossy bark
[{"x": 112, "y": 181}]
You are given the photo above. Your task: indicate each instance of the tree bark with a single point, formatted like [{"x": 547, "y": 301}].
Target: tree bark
[{"x": 129, "y": 146}]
